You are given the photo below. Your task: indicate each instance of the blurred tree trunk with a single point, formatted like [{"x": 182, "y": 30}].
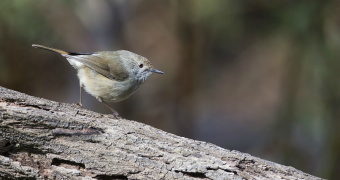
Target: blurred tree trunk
[{"x": 189, "y": 73}]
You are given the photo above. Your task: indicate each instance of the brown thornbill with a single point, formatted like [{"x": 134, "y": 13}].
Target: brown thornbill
[{"x": 108, "y": 75}]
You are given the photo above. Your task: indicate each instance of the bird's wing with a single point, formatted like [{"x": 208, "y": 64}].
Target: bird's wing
[{"x": 96, "y": 62}]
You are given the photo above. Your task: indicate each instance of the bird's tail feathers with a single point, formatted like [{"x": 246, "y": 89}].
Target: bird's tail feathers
[{"x": 50, "y": 49}]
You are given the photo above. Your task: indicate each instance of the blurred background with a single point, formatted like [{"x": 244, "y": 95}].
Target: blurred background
[{"x": 257, "y": 76}]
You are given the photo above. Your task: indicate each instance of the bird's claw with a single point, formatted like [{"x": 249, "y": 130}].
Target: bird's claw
[
  {"x": 80, "y": 105},
  {"x": 116, "y": 115}
]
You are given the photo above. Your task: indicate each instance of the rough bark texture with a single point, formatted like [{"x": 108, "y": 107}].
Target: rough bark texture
[{"x": 42, "y": 139}]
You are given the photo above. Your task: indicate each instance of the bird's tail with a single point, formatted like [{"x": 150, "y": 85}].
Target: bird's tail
[{"x": 50, "y": 49}]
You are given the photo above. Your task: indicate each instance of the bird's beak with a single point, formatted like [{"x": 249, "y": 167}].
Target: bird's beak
[{"x": 156, "y": 71}]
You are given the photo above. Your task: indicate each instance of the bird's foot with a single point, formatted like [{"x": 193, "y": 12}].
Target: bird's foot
[
  {"x": 79, "y": 104},
  {"x": 116, "y": 115}
]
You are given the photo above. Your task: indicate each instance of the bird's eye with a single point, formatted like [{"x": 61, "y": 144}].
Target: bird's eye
[{"x": 140, "y": 65}]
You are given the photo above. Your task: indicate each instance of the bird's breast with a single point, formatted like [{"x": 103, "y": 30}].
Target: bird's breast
[{"x": 100, "y": 86}]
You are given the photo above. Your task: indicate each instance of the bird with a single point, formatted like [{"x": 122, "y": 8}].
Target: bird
[{"x": 109, "y": 76}]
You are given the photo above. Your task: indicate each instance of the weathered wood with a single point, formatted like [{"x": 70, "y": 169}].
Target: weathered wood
[{"x": 42, "y": 139}]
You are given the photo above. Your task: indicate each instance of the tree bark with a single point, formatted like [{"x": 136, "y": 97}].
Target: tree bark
[{"x": 43, "y": 139}]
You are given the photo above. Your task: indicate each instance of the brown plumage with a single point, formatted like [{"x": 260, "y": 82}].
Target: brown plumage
[{"x": 108, "y": 75}]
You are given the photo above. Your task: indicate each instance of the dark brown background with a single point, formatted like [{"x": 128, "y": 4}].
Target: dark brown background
[{"x": 257, "y": 76}]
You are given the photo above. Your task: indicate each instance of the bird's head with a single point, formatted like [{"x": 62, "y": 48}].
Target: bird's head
[{"x": 140, "y": 68}]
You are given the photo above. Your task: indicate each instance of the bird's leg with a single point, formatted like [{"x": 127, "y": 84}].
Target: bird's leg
[
  {"x": 81, "y": 95},
  {"x": 115, "y": 113}
]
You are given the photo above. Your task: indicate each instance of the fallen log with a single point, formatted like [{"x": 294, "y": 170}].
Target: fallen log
[{"x": 43, "y": 139}]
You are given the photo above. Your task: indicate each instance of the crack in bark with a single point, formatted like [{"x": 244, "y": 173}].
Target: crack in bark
[
  {"x": 5, "y": 147},
  {"x": 34, "y": 106},
  {"x": 193, "y": 174},
  {"x": 67, "y": 164},
  {"x": 110, "y": 177},
  {"x": 73, "y": 132}
]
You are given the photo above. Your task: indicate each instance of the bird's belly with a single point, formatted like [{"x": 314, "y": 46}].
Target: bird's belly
[{"x": 101, "y": 87}]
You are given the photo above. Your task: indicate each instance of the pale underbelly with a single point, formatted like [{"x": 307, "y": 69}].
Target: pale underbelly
[{"x": 103, "y": 88}]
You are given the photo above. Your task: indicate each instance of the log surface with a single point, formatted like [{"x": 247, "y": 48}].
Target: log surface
[{"x": 43, "y": 139}]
